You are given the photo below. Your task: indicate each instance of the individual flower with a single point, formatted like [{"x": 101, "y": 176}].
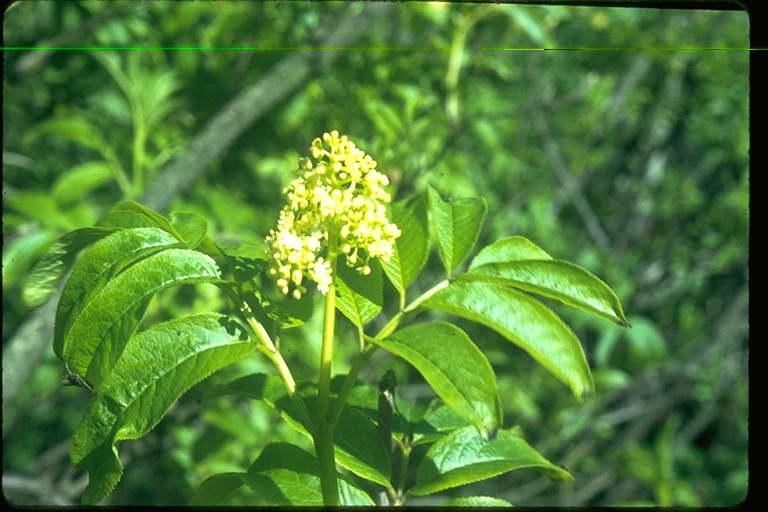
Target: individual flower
[{"x": 337, "y": 196}]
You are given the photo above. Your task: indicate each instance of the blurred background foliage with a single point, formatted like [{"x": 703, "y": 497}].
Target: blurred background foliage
[{"x": 630, "y": 162}]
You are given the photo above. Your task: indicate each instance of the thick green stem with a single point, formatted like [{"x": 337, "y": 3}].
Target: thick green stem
[{"x": 323, "y": 436}]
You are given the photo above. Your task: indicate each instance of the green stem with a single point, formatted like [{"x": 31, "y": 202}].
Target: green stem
[
  {"x": 267, "y": 347},
  {"x": 365, "y": 356},
  {"x": 323, "y": 436}
]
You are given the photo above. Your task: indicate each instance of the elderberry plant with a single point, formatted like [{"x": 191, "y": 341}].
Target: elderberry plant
[{"x": 339, "y": 231}]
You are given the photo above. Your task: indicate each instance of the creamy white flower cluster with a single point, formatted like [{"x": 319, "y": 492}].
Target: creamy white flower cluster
[{"x": 339, "y": 197}]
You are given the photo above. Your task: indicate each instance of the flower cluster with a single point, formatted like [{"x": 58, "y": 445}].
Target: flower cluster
[{"x": 336, "y": 205}]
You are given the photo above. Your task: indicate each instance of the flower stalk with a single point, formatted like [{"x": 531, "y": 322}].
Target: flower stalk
[{"x": 336, "y": 206}]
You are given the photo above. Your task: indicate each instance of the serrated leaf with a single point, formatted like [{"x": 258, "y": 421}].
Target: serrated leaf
[
  {"x": 519, "y": 263},
  {"x": 359, "y": 297},
  {"x": 411, "y": 248},
  {"x": 463, "y": 457},
  {"x": 455, "y": 368},
  {"x": 477, "y": 501},
  {"x": 107, "y": 258},
  {"x": 98, "y": 336},
  {"x": 525, "y": 322},
  {"x": 157, "y": 366},
  {"x": 191, "y": 226},
  {"x": 286, "y": 475},
  {"x": 130, "y": 214},
  {"x": 457, "y": 226},
  {"x": 216, "y": 490},
  {"x": 556, "y": 279},
  {"x": 45, "y": 275}
]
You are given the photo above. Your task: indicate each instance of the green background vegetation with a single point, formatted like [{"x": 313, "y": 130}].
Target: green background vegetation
[{"x": 628, "y": 156}]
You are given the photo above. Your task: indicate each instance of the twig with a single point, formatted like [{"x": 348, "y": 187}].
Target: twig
[{"x": 570, "y": 183}]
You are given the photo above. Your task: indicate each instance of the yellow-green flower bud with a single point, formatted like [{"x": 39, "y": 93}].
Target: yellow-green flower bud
[{"x": 340, "y": 194}]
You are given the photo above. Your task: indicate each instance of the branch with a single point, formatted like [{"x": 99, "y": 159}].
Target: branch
[
  {"x": 570, "y": 183},
  {"x": 250, "y": 105}
]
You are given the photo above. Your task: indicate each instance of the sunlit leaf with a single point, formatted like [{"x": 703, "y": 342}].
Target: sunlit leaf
[
  {"x": 517, "y": 262},
  {"x": 455, "y": 368},
  {"x": 457, "y": 226},
  {"x": 463, "y": 457},
  {"x": 130, "y": 214},
  {"x": 514, "y": 248},
  {"x": 411, "y": 249},
  {"x": 477, "y": 501},
  {"x": 107, "y": 258},
  {"x": 157, "y": 366},
  {"x": 525, "y": 322},
  {"x": 359, "y": 297},
  {"x": 98, "y": 335}
]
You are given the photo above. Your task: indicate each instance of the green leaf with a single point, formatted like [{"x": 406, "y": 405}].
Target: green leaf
[
  {"x": 411, "y": 248},
  {"x": 517, "y": 262},
  {"x": 74, "y": 128},
  {"x": 455, "y": 368},
  {"x": 477, "y": 501},
  {"x": 217, "y": 489},
  {"x": 359, "y": 297},
  {"x": 272, "y": 314},
  {"x": 107, "y": 258},
  {"x": 457, "y": 226},
  {"x": 463, "y": 457},
  {"x": 436, "y": 424},
  {"x": 98, "y": 335},
  {"x": 191, "y": 226},
  {"x": 525, "y": 322},
  {"x": 515, "y": 248},
  {"x": 40, "y": 206},
  {"x": 359, "y": 447},
  {"x": 20, "y": 254},
  {"x": 45, "y": 275},
  {"x": 130, "y": 214},
  {"x": 286, "y": 475},
  {"x": 156, "y": 368},
  {"x": 77, "y": 182}
]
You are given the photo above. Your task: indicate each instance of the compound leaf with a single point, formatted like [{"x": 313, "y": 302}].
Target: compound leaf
[
  {"x": 157, "y": 366},
  {"x": 99, "y": 334},
  {"x": 107, "y": 258}
]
